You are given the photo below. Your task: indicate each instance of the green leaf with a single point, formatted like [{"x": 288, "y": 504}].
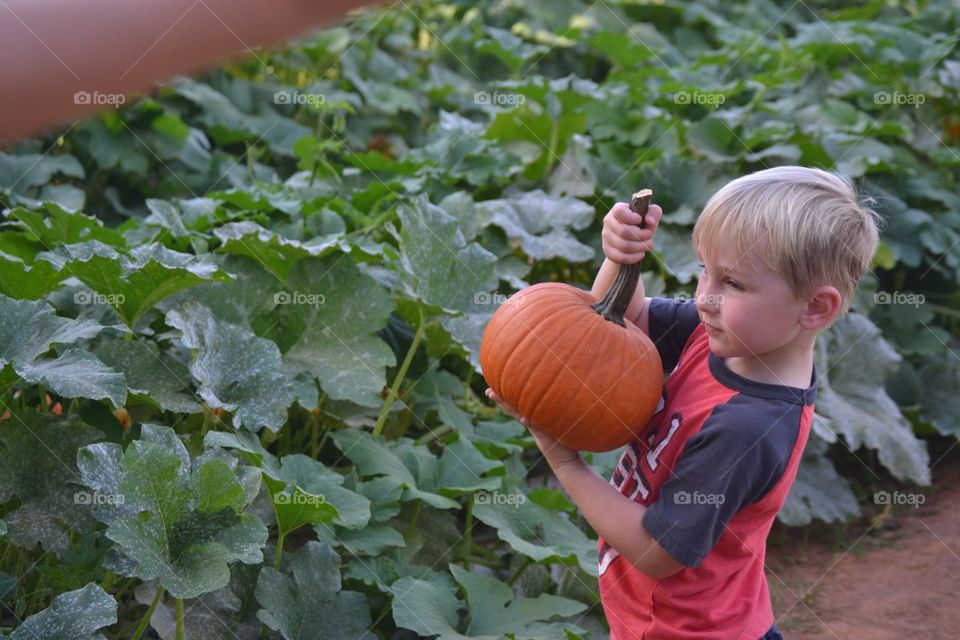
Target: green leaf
[
  {"x": 542, "y": 224},
  {"x": 404, "y": 462},
  {"x": 166, "y": 215},
  {"x": 247, "y": 301},
  {"x": 40, "y": 469},
  {"x": 74, "y": 615},
  {"x": 461, "y": 465},
  {"x": 438, "y": 265},
  {"x": 52, "y": 225},
  {"x": 274, "y": 252},
  {"x": 940, "y": 403},
  {"x": 620, "y": 47},
  {"x": 429, "y": 609},
  {"x": 77, "y": 374},
  {"x": 535, "y": 531},
  {"x": 818, "y": 491},
  {"x": 507, "y": 47},
  {"x": 28, "y": 330},
  {"x": 853, "y": 362},
  {"x": 25, "y": 178},
  {"x": 387, "y": 568},
  {"x": 19, "y": 279},
  {"x": 440, "y": 268},
  {"x": 368, "y": 541},
  {"x": 539, "y": 135},
  {"x": 338, "y": 344},
  {"x": 228, "y": 122},
  {"x": 679, "y": 258},
  {"x": 303, "y": 490},
  {"x": 350, "y": 509},
  {"x": 309, "y": 602},
  {"x": 179, "y": 525},
  {"x": 156, "y": 378},
  {"x": 426, "y": 608},
  {"x": 495, "y": 611},
  {"x": 455, "y": 148},
  {"x": 237, "y": 371},
  {"x": 133, "y": 284},
  {"x": 223, "y": 614},
  {"x": 714, "y": 139}
]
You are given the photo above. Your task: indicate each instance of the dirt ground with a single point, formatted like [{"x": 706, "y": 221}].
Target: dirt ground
[{"x": 889, "y": 577}]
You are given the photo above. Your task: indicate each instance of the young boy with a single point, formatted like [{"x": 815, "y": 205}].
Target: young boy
[{"x": 684, "y": 520}]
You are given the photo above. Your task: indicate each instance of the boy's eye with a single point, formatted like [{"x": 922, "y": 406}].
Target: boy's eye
[
  {"x": 734, "y": 285},
  {"x": 701, "y": 265}
]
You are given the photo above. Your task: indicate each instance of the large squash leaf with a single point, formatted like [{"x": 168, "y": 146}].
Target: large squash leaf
[
  {"x": 534, "y": 530},
  {"x": 29, "y": 329},
  {"x": 853, "y": 361},
  {"x": 308, "y": 602},
  {"x": 423, "y": 475},
  {"x": 340, "y": 310},
  {"x": 818, "y": 491},
  {"x": 135, "y": 283},
  {"x": 237, "y": 370},
  {"x": 40, "y": 470},
  {"x": 183, "y": 526},
  {"x": 74, "y": 615},
  {"x": 430, "y": 609}
]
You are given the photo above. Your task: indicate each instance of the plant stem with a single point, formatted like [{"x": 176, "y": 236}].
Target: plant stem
[
  {"x": 127, "y": 584},
  {"x": 468, "y": 533},
  {"x": 614, "y": 304},
  {"x": 207, "y": 415},
  {"x": 439, "y": 432},
  {"x": 413, "y": 521},
  {"x": 180, "y": 630},
  {"x": 947, "y": 311},
  {"x": 44, "y": 407},
  {"x": 523, "y": 567},
  {"x": 401, "y": 374},
  {"x": 482, "y": 551},
  {"x": 146, "y": 618},
  {"x": 552, "y": 149},
  {"x": 278, "y": 554}
]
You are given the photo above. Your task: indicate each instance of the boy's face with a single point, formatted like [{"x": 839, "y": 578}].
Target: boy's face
[{"x": 748, "y": 309}]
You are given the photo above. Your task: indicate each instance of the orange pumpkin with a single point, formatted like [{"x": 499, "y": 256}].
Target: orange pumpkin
[{"x": 573, "y": 366}]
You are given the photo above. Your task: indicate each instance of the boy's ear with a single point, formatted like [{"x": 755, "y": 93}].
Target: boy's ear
[{"x": 823, "y": 304}]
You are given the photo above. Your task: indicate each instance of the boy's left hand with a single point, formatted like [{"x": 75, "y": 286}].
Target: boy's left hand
[{"x": 557, "y": 454}]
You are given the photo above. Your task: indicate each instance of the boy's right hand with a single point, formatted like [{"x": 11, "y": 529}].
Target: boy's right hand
[{"x": 624, "y": 241}]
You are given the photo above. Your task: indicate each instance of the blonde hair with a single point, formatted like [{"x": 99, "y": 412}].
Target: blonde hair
[{"x": 808, "y": 224}]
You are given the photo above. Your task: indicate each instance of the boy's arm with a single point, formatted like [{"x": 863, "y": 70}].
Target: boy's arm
[
  {"x": 67, "y": 46},
  {"x": 637, "y": 310},
  {"x": 615, "y": 517},
  {"x": 611, "y": 514}
]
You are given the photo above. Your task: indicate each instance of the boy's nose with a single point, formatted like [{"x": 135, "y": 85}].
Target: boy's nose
[{"x": 707, "y": 303}]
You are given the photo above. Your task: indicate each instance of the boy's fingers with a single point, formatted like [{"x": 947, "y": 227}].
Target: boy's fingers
[
  {"x": 627, "y": 223},
  {"x": 504, "y": 407},
  {"x": 626, "y": 230},
  {"x": 627, "y": 246},
  {"x": 622, "y": 212},
  {"x": 654, "y": 214}
]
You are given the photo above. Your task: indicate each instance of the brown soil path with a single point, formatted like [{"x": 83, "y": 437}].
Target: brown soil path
[{"x": 894, "y": 576}]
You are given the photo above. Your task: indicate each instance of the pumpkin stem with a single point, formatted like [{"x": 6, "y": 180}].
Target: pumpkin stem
[{"x": 614, "y": 304}]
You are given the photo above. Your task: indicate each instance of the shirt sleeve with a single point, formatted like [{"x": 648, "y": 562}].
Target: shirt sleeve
[
  {"x": 724, "y": 467},
  {"x": 670, "y": 325}
]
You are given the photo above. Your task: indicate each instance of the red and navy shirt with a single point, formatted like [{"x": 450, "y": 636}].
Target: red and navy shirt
[{"x": 713, "y": 467}]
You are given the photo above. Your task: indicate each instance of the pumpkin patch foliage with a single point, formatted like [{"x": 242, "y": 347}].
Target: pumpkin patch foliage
[{"x": 241, "y": 318}]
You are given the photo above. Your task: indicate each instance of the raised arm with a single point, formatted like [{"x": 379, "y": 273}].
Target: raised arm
[
  {"x": 55, "y": 49},
  {"x": 624, "y": 242}
]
